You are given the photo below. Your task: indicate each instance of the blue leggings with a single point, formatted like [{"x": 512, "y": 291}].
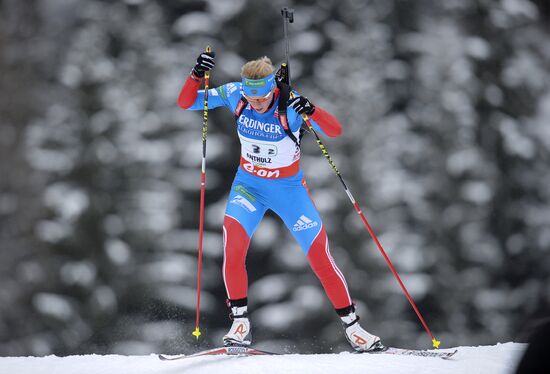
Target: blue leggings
[{"x": 289, "y": 198}]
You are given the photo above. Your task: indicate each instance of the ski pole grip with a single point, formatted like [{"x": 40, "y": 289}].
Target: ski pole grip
[
  {"x": 288, "y": 13},
  {"x": 207, "y": 73}
]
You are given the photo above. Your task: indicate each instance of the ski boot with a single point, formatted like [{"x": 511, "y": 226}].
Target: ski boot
[
  {"x": 359, "y": 338},
  {"x": 239, "y": 333}
]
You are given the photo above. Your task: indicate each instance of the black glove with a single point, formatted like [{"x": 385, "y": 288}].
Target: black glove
[
  {"x": 301, "y": 105},
  {"x": 205, "y": 62}
]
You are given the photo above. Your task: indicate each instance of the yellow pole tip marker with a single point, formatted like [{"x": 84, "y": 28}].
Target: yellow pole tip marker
[
  {"x": 436, "y": 343},
  {"x": 197, "y": 333}
]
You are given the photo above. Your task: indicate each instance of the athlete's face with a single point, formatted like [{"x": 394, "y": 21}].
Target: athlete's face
[{"x": 260, "y": 103}]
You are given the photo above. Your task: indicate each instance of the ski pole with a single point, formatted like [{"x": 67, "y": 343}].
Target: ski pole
[
  {"x": 288, "y": 16},
  {"x": 197, "y": 331}
]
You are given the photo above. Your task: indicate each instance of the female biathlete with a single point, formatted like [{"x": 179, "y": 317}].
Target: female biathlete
[{"x": 270, "y": 177}]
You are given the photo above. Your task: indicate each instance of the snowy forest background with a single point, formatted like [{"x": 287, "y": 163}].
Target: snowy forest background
[{"x": 446, "y": 146}]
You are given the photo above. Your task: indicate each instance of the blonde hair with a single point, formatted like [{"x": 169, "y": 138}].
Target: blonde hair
[{"x": 257, "y": 69}]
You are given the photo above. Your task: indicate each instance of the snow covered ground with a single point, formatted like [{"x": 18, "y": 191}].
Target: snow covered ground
[{"x": 497, "y": 359}]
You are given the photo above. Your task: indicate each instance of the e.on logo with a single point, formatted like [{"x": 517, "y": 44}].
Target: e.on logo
[{"x": 261, "y": 172}]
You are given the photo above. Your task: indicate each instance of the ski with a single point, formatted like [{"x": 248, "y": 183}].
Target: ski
[
  {"x": 230, "y": 351},
  {"x": 413, "y": 352},
  {"x": 249, "y": 351}
]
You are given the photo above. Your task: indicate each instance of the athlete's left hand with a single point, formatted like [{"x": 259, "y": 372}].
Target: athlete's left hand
[{"x": 301, "y": 105}]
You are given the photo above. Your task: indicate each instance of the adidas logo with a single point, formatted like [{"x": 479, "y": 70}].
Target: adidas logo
[{"x": 304, "y": 223}]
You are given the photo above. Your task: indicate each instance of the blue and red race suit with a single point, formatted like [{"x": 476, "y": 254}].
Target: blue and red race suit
[{"x": 270, "y": 177}]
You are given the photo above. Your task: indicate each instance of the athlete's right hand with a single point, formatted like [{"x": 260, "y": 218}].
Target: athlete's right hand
[{"x": 205, "y": 62}]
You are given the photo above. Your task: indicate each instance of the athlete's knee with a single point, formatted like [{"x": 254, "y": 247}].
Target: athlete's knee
[
  {"x": 319, "y": 257},
  {"x": 235, "y": 241},
  {"x": 318, "y": 252}
]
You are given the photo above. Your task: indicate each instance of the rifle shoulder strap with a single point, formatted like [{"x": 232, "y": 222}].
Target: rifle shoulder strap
[{"x": 281, "y": 108}]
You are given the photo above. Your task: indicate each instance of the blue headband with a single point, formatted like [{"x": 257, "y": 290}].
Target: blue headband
[{"x": 258, "y": 87}]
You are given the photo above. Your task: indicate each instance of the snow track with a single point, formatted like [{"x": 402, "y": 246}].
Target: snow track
[{"x": 497, "y": 359}]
